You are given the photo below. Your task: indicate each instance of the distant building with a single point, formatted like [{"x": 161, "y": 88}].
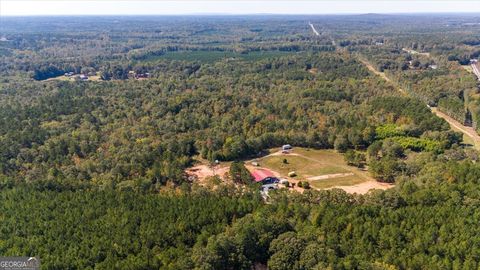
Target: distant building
[
  {"x": 142, "y": 75},
  {"x": 286, "y": 147}
]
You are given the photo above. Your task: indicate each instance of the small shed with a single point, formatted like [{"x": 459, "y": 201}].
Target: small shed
[{"x": 286, "y": 147}]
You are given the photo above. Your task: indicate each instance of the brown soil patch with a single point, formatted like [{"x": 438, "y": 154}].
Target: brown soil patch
[
  {"x": 202, "y": 172},
  {"x": 364, "y": 187}
]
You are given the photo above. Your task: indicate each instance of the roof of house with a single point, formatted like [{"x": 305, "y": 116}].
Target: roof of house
[{"x": 261, "y": 174}]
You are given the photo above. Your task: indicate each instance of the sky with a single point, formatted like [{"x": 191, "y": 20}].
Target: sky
[{"x": 180, "y": 7}]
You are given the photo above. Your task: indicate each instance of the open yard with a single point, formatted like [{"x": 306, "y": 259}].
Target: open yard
[
  {"x": 338, "y": 181},
  {"x": 323, "y": 169},
  {"x": 303, "y": 166},
  {"x": 72, "y": 78}
]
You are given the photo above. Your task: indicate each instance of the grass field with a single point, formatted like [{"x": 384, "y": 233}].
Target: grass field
[
  {"x": 311, "y": 163},
  {"x": 340, "y": 181},
  {"x": 302, "y": 166},
  {"x": 72, "y": 79}
]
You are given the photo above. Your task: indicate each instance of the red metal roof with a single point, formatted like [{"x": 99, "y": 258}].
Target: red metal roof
[{"x": 261, "y": 174}]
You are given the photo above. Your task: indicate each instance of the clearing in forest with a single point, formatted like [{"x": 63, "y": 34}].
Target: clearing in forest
[{"x": 323, "y": 169}]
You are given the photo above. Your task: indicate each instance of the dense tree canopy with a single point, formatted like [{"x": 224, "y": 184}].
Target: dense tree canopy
[{"x": 92, "y": 170}]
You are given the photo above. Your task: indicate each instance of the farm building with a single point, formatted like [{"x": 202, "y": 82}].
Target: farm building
[{"x": 264, "y": 176}]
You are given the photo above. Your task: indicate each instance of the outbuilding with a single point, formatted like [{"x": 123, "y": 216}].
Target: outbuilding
[{"x": 286, "y": 147}]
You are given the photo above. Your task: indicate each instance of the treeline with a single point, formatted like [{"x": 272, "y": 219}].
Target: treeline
[
  {"x": 87, "y": 229},
  {"x": 426, "y": 221},
  {"x": 125, "y": 133}
]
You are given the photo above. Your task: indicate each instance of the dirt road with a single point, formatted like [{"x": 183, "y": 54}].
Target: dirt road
[
  {"x": 476, "y": 70},
  {"x": 454, "y": 124},
  {"x": 313, "y": 29},
  {"x": 468, "y": 131},
  {"x": 364, "y": 187},
  {"x": 383, "y": 75},
  {"x": 328, "y": 176}
]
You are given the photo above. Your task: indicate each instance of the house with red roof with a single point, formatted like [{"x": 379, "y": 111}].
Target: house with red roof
[{"x": 264, "y": 176}]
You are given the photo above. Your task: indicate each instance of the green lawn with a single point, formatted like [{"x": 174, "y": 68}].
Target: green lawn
[
  {"x": 302, "y": 166},
  {"x": 327, "y": 156},
  {"x": 311, "y": 162},
  {"x": 340, "y": 181}
]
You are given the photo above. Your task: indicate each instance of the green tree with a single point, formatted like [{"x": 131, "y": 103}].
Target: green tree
[{"x": 239, "y": 173}]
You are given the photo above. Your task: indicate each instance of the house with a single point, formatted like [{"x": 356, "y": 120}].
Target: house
[
  {"x": 286, "y": 147},
  {"x": 264, "y": 176},
  {"x": 433, "y": 66},
  {"x": 260, "y": 174}
]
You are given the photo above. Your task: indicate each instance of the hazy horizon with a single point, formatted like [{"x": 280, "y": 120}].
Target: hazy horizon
[{"x": 245, "y": 7}]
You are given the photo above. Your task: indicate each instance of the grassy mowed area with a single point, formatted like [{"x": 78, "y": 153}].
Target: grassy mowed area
[
  {"x": 302, "y": 166},
  {"x": 323, "y": 156},
  {"x": 339, "y": 181},
  {"x": 72, "y": 79},
  {"x": 311, "y": 162}
]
